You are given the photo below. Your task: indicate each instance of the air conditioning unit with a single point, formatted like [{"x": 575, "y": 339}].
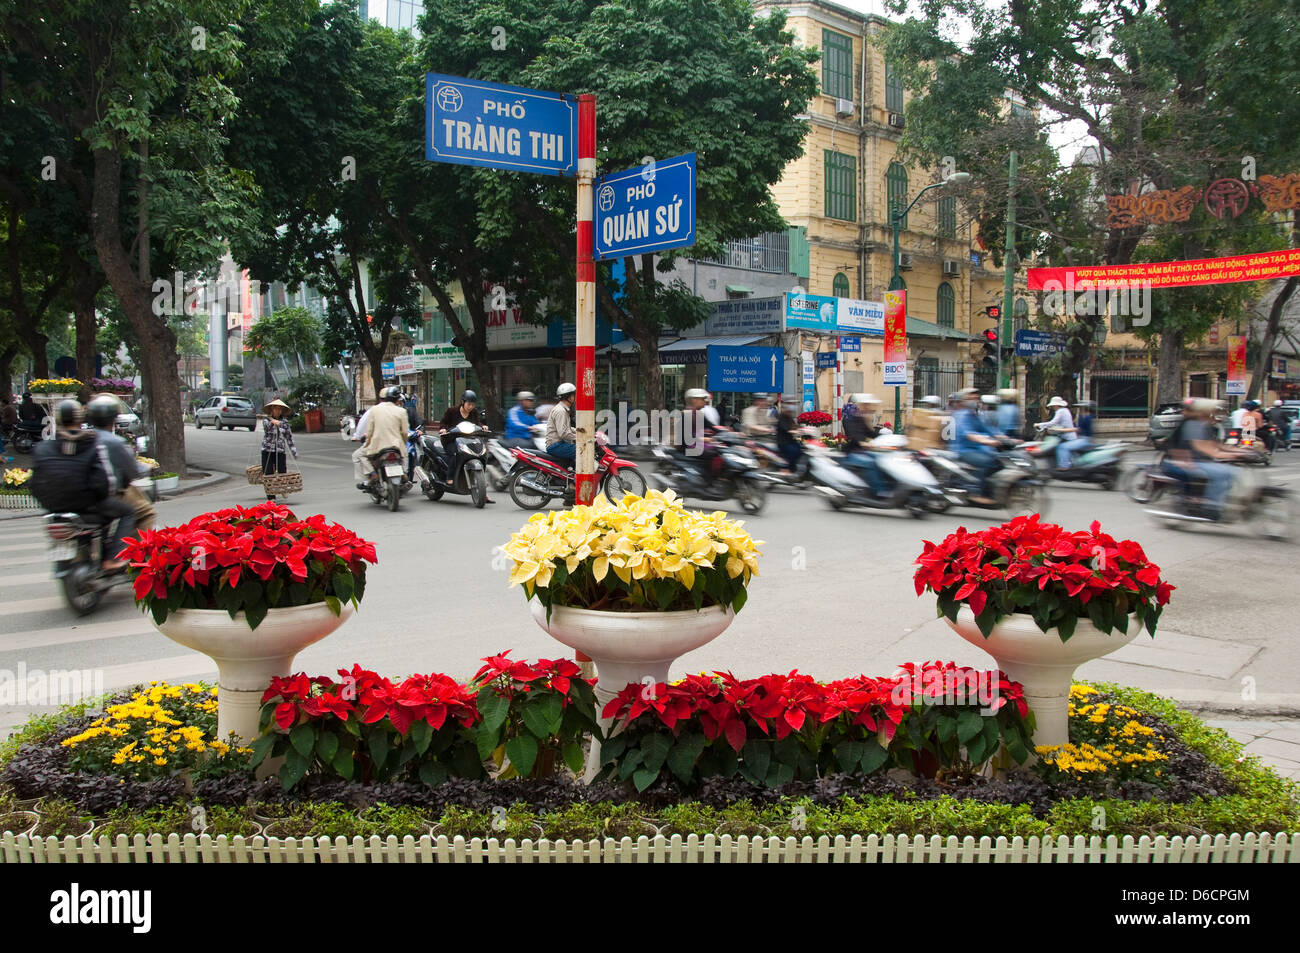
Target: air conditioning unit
[
  {"x": 951, "y": 267},
  {"x": 897, "y": 121},
  {"x": 904, "y": 262},
  {"x": 843, "y": 107}
]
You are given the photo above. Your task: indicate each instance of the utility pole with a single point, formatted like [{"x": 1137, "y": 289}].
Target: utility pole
[{"x": 1008, "y": 270}]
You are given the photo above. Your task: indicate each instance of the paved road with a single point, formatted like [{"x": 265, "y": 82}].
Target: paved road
[{"x": 835, "y": 596}]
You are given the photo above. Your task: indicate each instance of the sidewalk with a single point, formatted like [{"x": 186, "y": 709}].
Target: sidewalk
[{"x": 188, "y": 485}]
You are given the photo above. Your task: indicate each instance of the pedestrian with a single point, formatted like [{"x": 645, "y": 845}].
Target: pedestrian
[{"x": 277, "y": 438}]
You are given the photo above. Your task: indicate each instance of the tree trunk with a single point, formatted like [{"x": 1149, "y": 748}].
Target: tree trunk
[
  {"x": 652, "y": 375},
  {"x": 83, "y": 304},
  {"x": 1263, "y": 362},
  {"x": 37, "y": 343},
  {"x": 1169, "y": 369},
  {"x": 6, "y": 369},
  {"x": 157, "y": 342}
]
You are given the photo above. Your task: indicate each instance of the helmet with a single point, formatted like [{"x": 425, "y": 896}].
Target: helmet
[
  {"x": 102, "y": 411},
  {"x": 69, "y": 414},
  {"x": 391, "y": 393},
  {"x": 1008, "y": 393},
  {"x": 1202, "y": 405},
  {"x": 699, "y": 392},
  {"x": 469, "y": 397},
  {"x": 525, "y": 395},
  {"x": 1057, "y": 402},
  {"x": 565, "y": 389},
  {"x": 931, "y": 400},
  {"x": 1277, "y": 403},
  {"x": 990, "y": 399}
]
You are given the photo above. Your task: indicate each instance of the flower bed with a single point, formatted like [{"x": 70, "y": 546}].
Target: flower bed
[
  {"x": 814, "y": 418},
  {"x": 875, "y": 818},
  {"x": 59, "y": 385}
]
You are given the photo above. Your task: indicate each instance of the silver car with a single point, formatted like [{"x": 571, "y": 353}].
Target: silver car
[{"x": 228, "y": 412}]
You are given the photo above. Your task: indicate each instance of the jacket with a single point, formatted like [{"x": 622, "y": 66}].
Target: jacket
[
  {"x": 558, "y": 427},
  {"x": 386, "y": 428}
]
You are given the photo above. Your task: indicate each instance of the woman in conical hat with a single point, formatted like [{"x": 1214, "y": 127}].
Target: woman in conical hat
[{"x": 277, "y": 437}]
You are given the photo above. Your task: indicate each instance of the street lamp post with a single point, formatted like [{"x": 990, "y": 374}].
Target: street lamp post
[{"x": 896, "y": 223}]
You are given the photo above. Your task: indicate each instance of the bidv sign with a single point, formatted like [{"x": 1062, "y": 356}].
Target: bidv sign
[
  {"x": 647, "y": 209},
  {"x": 472, "y": 122}
]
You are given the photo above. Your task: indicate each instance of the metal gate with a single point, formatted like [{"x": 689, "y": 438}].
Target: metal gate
[{"x": 939, "y": 378}]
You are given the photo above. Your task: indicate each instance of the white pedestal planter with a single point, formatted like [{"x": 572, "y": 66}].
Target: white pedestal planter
[
  {"x": 1042, "y": 663},
  {"x": 247, "y": 659},
  {"x": 167, "y": 484},
  {"x": 627, "y": 647}
]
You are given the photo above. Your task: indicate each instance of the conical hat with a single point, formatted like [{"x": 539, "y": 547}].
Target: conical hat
[{"x": 275, "y": 403}]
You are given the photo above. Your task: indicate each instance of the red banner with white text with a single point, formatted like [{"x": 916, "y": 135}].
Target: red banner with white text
[{"x": 1260, "y": 266}]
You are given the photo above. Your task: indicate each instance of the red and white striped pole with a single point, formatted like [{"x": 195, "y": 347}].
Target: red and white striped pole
[
  {"x": 586, "y": 304},
  {"x": 836, "y": 425}
]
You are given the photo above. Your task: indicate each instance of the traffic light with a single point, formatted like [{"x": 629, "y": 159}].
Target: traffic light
[
  {"x": 991, "y": 348},
  {"x": 993, "y": 312}
]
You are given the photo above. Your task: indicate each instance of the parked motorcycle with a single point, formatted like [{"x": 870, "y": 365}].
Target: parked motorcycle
[
  {"x": 457, "y": 469},
  {"x": 23, "y": 435},
  {"x": 388, "y": 482},
  {"x": 539, "y": 477},
  {"x": 1100, "y": 463},
  {"x": 1014, "y": 486},
  {"x": 1267, "y": 508},
  {"x": 77, "y": 545},
  {"x": 737, "y": 475},
  {"x": 912, "y": 487}
]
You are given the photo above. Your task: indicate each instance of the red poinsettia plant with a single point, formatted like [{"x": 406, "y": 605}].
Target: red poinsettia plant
[
  {"x": 250, "y": 561},
  {"x": 814, "y": 418},
  {"x": 1056, "y": 576}
]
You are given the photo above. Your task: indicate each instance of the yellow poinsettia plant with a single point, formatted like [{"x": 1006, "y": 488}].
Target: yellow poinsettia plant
[
  {"x": 58, "y": 385},
  {"x": 640, "y": 554},
  {"x": 17, "y": 476}
]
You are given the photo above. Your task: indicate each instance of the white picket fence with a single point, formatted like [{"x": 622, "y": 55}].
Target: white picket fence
[{"x": 693, "y": 848}]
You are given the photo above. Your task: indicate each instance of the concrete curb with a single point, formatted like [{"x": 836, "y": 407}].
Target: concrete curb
[
  {"x": 1266, "y": 705},
  {"x": 212, "y": 479}
]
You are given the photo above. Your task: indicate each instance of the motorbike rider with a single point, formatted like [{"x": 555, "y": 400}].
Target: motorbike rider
[
  {"x": 360, "y": 467},
  {"x": 1007, "y": 419},
  {"x": 692, "y": 439},
  {"x": 123, "y": 468},
  {"x": 466, "y": 411},
  {"x": 1067, "y": 449},
  {"x": 859, "y": 428},
  {"x": 756, "y": 419},
  {"x": 975, "y": 443},
  {"x": 1194, "y": 453},
  {"x": 1277, "y": 416},
  {"x": 787, "y": 444},
  {"x": 29, "y": 410},
  {"x": 72, "y": 442},
  {"x": 561, "y": 437},
  {"x": 926, "y": 429},
  {"x": 385, "y": 426},
  {"x": 8, "y": 416},
  {"x": 1253, "y": 420},
  {"x": 520, "y": 421},
  {"x": 710, "y": 412}
]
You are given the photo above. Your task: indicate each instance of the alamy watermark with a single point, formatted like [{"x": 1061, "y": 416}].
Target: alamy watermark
[
  {"x": 55, "y": 687},
  {"x": 629, "y": 427},
  {"x": 182, "y": 295},
  {"x": 1131, "y": 299}
]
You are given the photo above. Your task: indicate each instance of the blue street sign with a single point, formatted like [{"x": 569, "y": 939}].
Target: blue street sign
[
  {"x": 473, "y": 122},
  {"x": 851, "y": 344},
  {"x": 1038, "y": 343},
  {"x": 746, "y": 370},
  {"x": 388, "y": 369},
  {"x": 825, "y": 359},
  {"x": 647, "y": 209}
]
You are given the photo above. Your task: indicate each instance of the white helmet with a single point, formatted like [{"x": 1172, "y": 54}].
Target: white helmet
[
  {"x": 699, "y": 392},
  {"x": 565, "y": 389},
  {"x": 1058, "y": 402},
  {"x": 1277, "y": 403},
  {"x": 931, "y": 400},
  {"x": 865, "y": 399},
  {"x": 990, "y": 399},
  {"x": 525, "y": 395}
]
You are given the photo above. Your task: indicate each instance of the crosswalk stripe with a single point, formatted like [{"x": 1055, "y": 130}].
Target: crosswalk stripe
[
  {"x": 16, "y": 536},
  {"x": 21, "y": 547},
  {"x": 33, "y": 605},
  {"x": 63, "y": 635},
  {"x": 27, "y": 560},
  {"x": 26, "y": 580},
  {"x": 173, "y": 669}
]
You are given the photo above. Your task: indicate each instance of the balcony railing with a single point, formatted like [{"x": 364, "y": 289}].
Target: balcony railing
[{"x": 768, "y": 252}]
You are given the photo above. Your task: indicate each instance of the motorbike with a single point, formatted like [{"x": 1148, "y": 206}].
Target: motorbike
[
  {"x": 736, "y": 476},
  {"x": 1100, "y": 463},
  {"x": 1267, "y": 508},
  {"x": 77, "y": 545},
  {"x": 500, "y": 461},
  {"x": 1015, "y": 485},
  {"x": 1251, "y": 440},
  {"x": 913, "y": 487},
  {"x": 23, "y": 435},
  {"x": 388, "y": 482},
  {"x": 775, "y": 466},
  {"x": 457, "y": 469},
  {"x": 539, "y": 477}
]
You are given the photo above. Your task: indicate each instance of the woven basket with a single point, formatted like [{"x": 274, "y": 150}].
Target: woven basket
[
  {"x": 278, "y": 484},
  {"x": 254, "y": 474}
]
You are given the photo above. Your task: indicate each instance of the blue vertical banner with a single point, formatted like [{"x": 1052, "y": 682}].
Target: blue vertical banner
[{"x": 809, "y": 383}]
